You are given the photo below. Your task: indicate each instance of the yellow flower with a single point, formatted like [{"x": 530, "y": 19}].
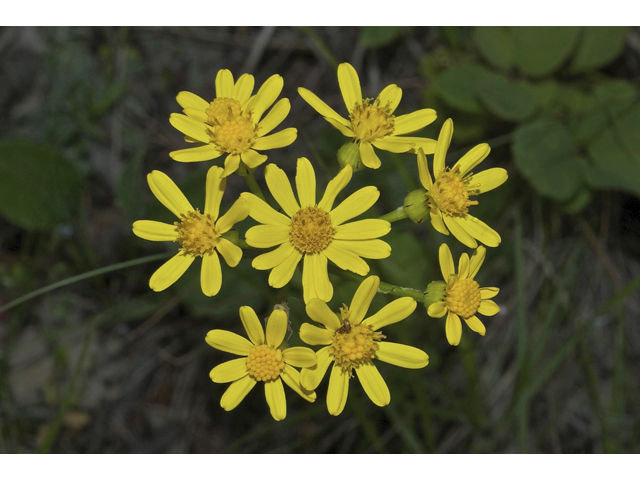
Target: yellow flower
[
  {"x": 352, "y": 344},
  {"x": 199, "y": 234},
  {"x": 448, "y": 196},
  {"x": 463, "y": 296},
  {"x": 262, "y": 361},
  {"x": 314, "y": 231},
  {"x": 232, "y": 123},
  {"x": 372, "y": 123}
]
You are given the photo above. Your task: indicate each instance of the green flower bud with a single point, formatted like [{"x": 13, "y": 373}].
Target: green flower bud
[
  {"x": 349, "y": 154},
  {"x": 435, "y": 293},
  {"x": 416, "y": 205},
  {"x": 231, "y": 235}
]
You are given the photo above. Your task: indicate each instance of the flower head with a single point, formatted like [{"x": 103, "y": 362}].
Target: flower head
[
  {"x": 232, "y": 123},
  {"x": 463, "y": 297},
  {"x": 199, "y": 234},
  {"x": 263, "y": 360},
  {"x": 371, "y": 122},
  {"x": 448, "y": 194},
  {"x": 352, "y": 343},
  {"x": 315, "y": 232}
]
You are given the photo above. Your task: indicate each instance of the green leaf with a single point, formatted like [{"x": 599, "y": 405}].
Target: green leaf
[
  {"x": 544, "y": 152},
  {"x": 39, "y": 187},
  {"x": 540, "y": 51},
  {"x": 457, "y": 86},
  {"x": 615, "y": 154},
  {"x": 375, "y": 37},
  {"x": 598, "y": 47},
  {"x": 495, "y": 45},
  {"x": 509, "y": 100}
]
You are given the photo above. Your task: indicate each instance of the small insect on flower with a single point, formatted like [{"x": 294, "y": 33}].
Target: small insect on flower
[{"x": 345, "y": 328}]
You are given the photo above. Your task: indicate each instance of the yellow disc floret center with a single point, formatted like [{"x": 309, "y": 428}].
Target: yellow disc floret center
[
  {"x": 463, "y": 297},
  {"x": 450, "y": 193},
  {"x": 354, "y": 345},
  {"x": 311, "y": 230},
  {"x": 221, "y": 110},
  {"x": 265, "y": 363},
  {"x": 197, "y": 233},
  {"x": 370, "y": 122}
]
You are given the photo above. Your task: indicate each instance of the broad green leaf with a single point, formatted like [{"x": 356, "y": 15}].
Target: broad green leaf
[
  {"x": 598, "y": 47},
  {"x": 545, "y": 92},
  {"x": 615, "y": 154},
  {"x": 540, "y": 51},
  {"x": 457, "y": 86},
  {"x": 544, "y": 153},
  {"x": 39, "y": 187},
  {"x": 374, "y": 37},
  {"x": 507, "y": 99},
  {"x": 495, "y": 45}
]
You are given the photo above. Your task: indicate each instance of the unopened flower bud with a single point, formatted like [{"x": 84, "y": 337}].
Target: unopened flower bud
[
  {"x": 416, "y": 205},
  {"x": 349, "y": 154},
  {"x": 435, "y": 293}
]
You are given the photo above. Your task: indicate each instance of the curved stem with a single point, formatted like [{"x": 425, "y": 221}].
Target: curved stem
[
  {"x": 398, "y": 214},
  {"x": 253, "y": 186},
  {"x": 389, "y": 289}
]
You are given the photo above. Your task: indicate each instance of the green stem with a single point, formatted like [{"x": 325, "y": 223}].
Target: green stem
[
  {"x": 389, "y": 289},
  {"x": 82, "y": 276},
  {"x": 398, "y": 214},
  {"x": 253, "y": 186}
]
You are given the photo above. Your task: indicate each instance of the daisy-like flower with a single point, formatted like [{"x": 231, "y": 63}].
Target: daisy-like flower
[
  {"x": 354, "y": 342},
  {"x": 462, "y": 296},
  {"x": 314, "y": 231},
  {"x": 372, "y": 123},
  {"x": 199, "y": 234},
  {"x": 263, "y": 360},
  {"x": 232, "y": 123},
  {"x": 448, "y": 195}
]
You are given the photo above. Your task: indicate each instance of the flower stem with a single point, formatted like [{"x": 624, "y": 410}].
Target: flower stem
[
  {"x": 389, "y": 289},
  {"x": 398, "y": 214},
  {"x": 253, "y": 186}
]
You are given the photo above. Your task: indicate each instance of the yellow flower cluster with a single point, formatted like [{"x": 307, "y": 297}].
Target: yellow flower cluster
[{"x": 316, "y": 229}]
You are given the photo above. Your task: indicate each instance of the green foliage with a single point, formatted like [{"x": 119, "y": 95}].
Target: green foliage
[
  {"x": 376, "y": 37},
  {"x": 570, "y": 135},
  {"x": 39, "y": 188}
]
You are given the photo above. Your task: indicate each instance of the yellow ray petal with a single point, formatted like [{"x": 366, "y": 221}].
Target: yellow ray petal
[
  {"x": 362, "y": 229},
  {"x": 488, "y": 292},
  {"x": 191, "y": 100},
  {"x": 280, "y": 188},
  {"x": 265, "y": 236},
  {"x": 346, "y": 131},
  {"x": 476, "y": 260},
  {"x": 362, "y": 298},
  {"x": 349, "y": 86},
  {"x": 214, "y": 191},
  {"x": 275, "y": 117},
  {"x": 168, "y": 193},
  {"x": 196, "y": 154},
  {"x": 322, "y": 108},
  {"x": 392, "y": 313},
  {"x": 190, "y": 126},
  {"x": 231, "y": 253},
  {"x": 299, "y": 357},
  {"x": 311, "y": 377},
  {"x": 335, "y": 186},
  {"x": 414, "y": 121},
  {"x": 252, "y": 325},
  {"x": 236, "y": 213},
  {"x": 453, "y": 224},
  {"x": 243, "y": 88},
  {"x": 463, "y": 266},
  {"x": 437, "y": 310},
  {"x": 291, "y": 377},
  {"x": 280, "y": 139},
  {"x": 390, "y": 97},
  {"x": 252, "y": 159},
  {"x": 261, "y": 212},
  {"x": 210, "y": 274},
  {"x": 338, "y": 390},
  {"x": 354, "y": 205},
  {"x": 373, "y": 384},
  {"x": 229, "y": 342},
  {"x": 476, "y": 325},
  {"x": 231, "y": 164},
  {"x": 312, "y": 335},
  {"x": 306, "y": 183},
  {"x": 224, "y": 84},
  {"x": 315, "y": 278},
  {"x": 393, "y": 144},
  {"x": 170, "y": 272},
  {"x": 155, "y": 231},
  {"x": 437, "y": 221},
  {"x": 488, "y": 308},
  {"x": 320, "y": 312},
  {"x": 267, "y": 261},
  {"x": 428, "y": 145},
  {"x": 423, "y": 171},
  {"x": 281, "y": 274},
  {"x": 375, "y": 249},
  {"x": 487, "y": 180},
  {"x": 196, "y": 114},
  {"x": 479, "y": 230},
  {"x": 266, "y": 96},
  {"x": 229, "y": 371},
  {"x": 346, "y": 259},
  {"x": 276, "y": 327},
  {"x": 236, "y": 392},
  {"x": 453, "y": 328},
  {"x": 472, "y": 158},
  {"x": 444, "y": 139},
  {"x": 402, "y": 355},
  {"x": 446, "y": 262},
  {"x": 368, "y": 156}
]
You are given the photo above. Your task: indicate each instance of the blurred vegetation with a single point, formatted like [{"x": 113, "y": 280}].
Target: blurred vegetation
[{"x": 103, "y": 364}]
